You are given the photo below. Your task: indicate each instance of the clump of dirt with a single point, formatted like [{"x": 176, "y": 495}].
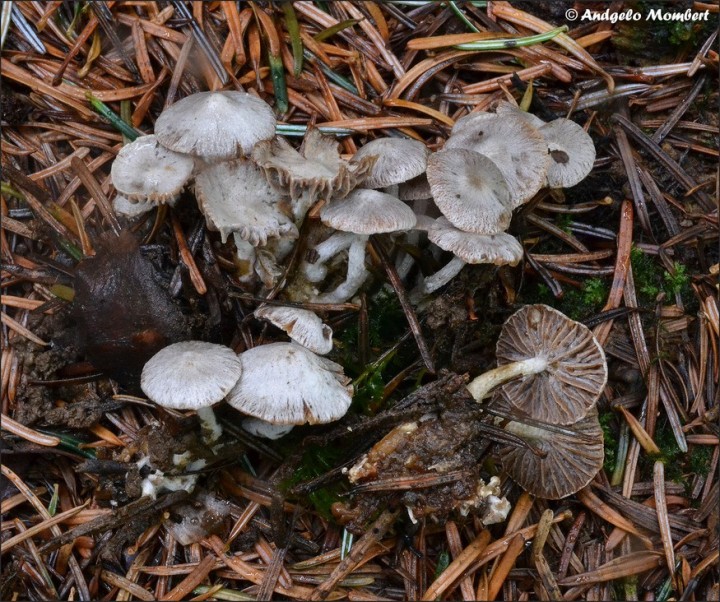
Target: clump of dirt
[{"x": 124, "y": 315}]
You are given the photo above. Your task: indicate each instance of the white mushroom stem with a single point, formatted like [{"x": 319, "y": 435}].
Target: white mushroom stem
[
  {"x": 246, "y": 258},
  {"x": 326, "y": 250},
  {"x": 356, "y": 273},
  {"x": 438, "y": 279},
  {"x": 481, "y": 386},
  {"x": 210, "y": 428}
]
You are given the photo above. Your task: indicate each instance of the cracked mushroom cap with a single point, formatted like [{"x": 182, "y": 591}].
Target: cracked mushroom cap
[
  {"x": 302, "y": 326},
  {"x": 317, "y": 169},
  {"x": 397, "y": 160},
  {"x": 190, "y": 375},
  {"x": 368, "y": 212},
  {"x": 216, "y": 125},
  {"x": 470, "y": 191},
  {"x": 516, "y": 147},
  {"x": 573, "y": 455},
  {"x": 571, "y": 150},
  {"x": 576, "y": 370},
  {"x": 235, "y": 197},
  {"x": 284, "y": 383},
  {"x": 144, "y": 170},
  {"x": 498, "y": 249}
]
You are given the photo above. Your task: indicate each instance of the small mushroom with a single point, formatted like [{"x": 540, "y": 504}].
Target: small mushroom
[
  {"x": 302, "y": 326},
  {"x": 470, "y": 191},
  {"x": 284, "y": 383},
  {"x": 317, "y": 170},
  {"x": 192, "y": 375},
  {"x": 571, "y": 150},
  {"x": 497, "y": 249},
  {"x": 551, "y": 367},
  {"x": 216, "y": 126},
  {"x": 361, "y": 213},
  {"x": 397, "y": 160},
  {"x": 517, "y": 149},
  {"x": 562, "y": 459},
  {"x": 146, "y": 171},
  {"x": 235, "y": 197}
]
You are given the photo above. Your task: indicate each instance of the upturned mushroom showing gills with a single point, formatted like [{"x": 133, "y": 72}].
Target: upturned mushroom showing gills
[
  {"x": 216, "y": 126},
  {"x": 563, "y": 459},
  {"x": 284, "y": 383},
  {"x": 551, "y": 367},
  {"x": 192, "y": 375}
]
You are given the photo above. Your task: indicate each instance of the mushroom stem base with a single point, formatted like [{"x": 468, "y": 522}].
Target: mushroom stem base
[
  {"x": 210, "y": 428},
  {"x": 481, "y": 386}
]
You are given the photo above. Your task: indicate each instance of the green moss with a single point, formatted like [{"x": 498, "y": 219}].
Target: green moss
[
  {"x": 609, "y": 426},
  {"x": 699, "y": 459},
  {"x": 670, "y": 455},
  {"x": 315, "y": 462},
  {"x": 646, "y": 274},
  {"x": 579, "y": 304},
  {"x": 677, "y": 281}
]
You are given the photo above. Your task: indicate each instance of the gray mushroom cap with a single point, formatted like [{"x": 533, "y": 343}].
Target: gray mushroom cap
[
  {"x": 235, "y": 197},
  {"x": 571, "y": 150},
  {"x": 498, "y": 249},
  {"x": 573, "y": 454},
  {"x": 216, "y": 125},
  {"x": 302, "y": 326},
  {"x": 145, "y": 170},
  {"x": 284, "y": 383},
  {"x": 576, "y": 371},
  {"x": 368, "y": 212},
  {"x": 470, "y": 191},
  {"x": 517, "y": 149},
  {"x": 507, "y": 108},
  {"x": 398, "y": 160},
  {"x": 190, "y": 375}
]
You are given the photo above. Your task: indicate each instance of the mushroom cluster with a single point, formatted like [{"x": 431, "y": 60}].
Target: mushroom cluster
[
  {"x": 491, "y": 164},
  {"x": 551, "y": 372},
  {"x": 276, "y": 386}
]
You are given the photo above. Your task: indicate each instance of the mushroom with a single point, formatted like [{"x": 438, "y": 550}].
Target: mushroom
[
  {"x": 571, "y": 150},
  {"x": 497, "y": 249},
  {"x": 562, "y": 459},
  {"x": 146, "y": 171},
  {"x": 470, "y": 191},
  {"x": 357, "y": 216},
  {"x": 551, "y": 367},
  {"x": 518, "y": 150},
  {"x": 302, "y": 326},
  {"x": 315, "y": 171},
  {"x": 397, "y": 160},
  {"x": 265, "y": 429},
  {"x": 284, "y": 383},
  {"x": 235, "y": 197},
  {"x": 192, "y": 375},
  {"x": 216, "y": 126}
]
